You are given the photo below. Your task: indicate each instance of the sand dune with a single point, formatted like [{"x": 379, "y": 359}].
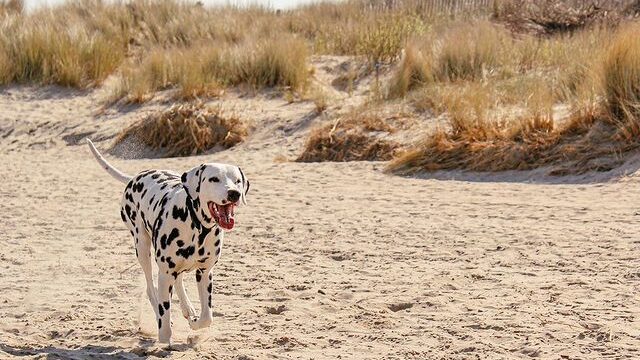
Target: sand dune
[{"x": 328, "y": 260}]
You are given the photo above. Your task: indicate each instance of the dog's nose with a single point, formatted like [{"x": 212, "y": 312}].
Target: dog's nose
[{"x": 233, "y": 195}]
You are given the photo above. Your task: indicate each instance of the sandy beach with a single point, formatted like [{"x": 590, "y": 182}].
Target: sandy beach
[{"x": 328, "y": 260}]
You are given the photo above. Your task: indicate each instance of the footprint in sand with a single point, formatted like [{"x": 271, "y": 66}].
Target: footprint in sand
[
  {"x": 273, "y": 310},
  {"x": 399, "y": 306}
]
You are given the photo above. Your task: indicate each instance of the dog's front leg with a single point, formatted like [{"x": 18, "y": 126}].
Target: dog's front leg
[
  {"x": 205, "y": 289},
  {"x": 165, "y": 288}
]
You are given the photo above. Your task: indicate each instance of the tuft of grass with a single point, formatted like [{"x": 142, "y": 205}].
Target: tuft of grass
[
  {"x": 320, "y": 99},
  {"x": 205, "y": 71},
  {"x": 356, "y": 137},
  {"x": 415, "y": 70},
  {"x": 49, "y": 54},
  {"x": 471, "y": 51},
  {"x": 9, "y": 7},
  {"x": 272, "y": 62},
  {"x": 621, "y": 81},
  {"x": 187, "y": 129}
]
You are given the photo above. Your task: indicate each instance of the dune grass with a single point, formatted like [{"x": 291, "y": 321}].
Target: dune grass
[
  {"x": 603, "y": 126},
  {"x": 357, "y": 136},
  {"x": 204, "y": 71},
  {"x": 495, "y": 72},
  {"x": 187, "y": 129}
]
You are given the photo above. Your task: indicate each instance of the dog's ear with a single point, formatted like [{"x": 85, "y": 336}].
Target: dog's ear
[
  {"x": 191, "y": 181},
  {"x": 245, "y": 187}
]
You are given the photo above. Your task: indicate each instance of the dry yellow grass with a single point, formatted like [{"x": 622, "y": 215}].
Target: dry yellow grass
[
  {"x": 621, "y": 82},
  {"x": 187, "y": 129},
  {"x": 600, "y": 132},
  {"x": 355, "y": 137},
  {"x": 415, "y": 70},
  {"x": 56, "y": 54},
  {"x": 11, "y": 7},
  {"x": 204, "y": 71}
]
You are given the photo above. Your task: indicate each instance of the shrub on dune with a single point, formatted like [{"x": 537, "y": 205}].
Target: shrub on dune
[
  {"x": 595, "y": 137},
  {"x": 356, "y": 137},
  {"x": 621, "y": 82},
  {"x": 187, "y": 129}
]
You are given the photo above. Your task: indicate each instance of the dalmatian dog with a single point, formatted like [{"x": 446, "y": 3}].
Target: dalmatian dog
[{"x": 179, "y": 221}]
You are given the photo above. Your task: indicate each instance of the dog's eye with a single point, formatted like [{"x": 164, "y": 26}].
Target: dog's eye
[
  {"x": 238, "y": 181},
  {"x": 214, "y": 179}
]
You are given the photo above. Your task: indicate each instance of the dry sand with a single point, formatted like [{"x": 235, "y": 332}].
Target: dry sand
[{"x": 327, "y": 261}]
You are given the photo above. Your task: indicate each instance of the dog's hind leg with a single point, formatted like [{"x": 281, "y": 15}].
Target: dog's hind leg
[
  {"x": 185, "y": 304},
  {"x": 143, "y": 251}
]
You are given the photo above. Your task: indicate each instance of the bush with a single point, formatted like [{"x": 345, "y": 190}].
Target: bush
[
  {"x": 357, "y": 137},
  {"x": 187, "y": 129}
]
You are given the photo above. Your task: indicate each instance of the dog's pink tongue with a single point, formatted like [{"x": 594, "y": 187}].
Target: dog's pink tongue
[{"x": 226, "y": 217}]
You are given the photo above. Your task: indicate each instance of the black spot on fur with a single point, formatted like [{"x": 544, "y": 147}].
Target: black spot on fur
[
  {"x": 174, "y": 234},
  {"x": 133, "y": 216},
  {"x": 209, "y": 288},
  {"x": 179, "y": 213},
  {"x": 155, "y": 176},
  {"x": 201, "y": 251},
  {"x": 163, "y": 241},
  {"x": 127, "y": 209},
  {"x": 217, "y": 243},
  {"x": 217, "y": 251},
  {"x": 166, "y": 305},
  {"x": 160, "y": 310},
  {"x": 203, "y": 235},
  {"x": 171, "y": 289},
  {"x": 128, "y": 196},
  {"x": 217, "y": 231},
  {"x": 174, "y": 274},
  {"x": 186, "y": 252},
  {"x": 203, "y": 260},
  {"x": 122, "y": 216},
  {"x": 143, "y": 193},
  {"x": 164, "y": 186},
  {"x": 198, "y": 275},
  {"x": 170, "y": 263},
  {"x": 180, "y": 243},
  {"x": 159, "y": 323},
  {"x": 138, "y": 187},
  {"x": 158, "y": 253}
]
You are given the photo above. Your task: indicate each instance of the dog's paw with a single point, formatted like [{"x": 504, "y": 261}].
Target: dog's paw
[
  {"x": 189, "y": 313},
  {"x": 164, "y": 339},
  {"x": 199, "y": 323}
]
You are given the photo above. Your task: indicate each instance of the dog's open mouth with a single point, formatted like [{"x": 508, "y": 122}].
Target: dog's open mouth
[{"x": 222, "y": 214}]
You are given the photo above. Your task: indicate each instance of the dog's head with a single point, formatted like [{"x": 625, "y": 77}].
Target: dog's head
[{"x": 218, "y": 189}]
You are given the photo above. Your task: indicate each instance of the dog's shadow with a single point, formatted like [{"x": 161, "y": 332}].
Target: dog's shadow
[{"x": 144, "y": 350}]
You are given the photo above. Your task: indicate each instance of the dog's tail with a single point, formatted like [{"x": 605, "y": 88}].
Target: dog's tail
[{"x": 117, "y": 174}]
